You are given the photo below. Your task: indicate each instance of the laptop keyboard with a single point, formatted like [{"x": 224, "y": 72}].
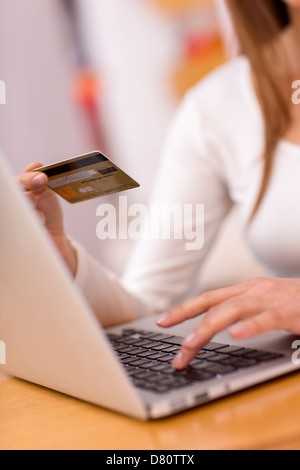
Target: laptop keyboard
[{"x": 147, "y": 358}]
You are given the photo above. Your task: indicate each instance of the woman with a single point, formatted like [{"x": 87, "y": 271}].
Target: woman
[{"x": 235, "y": 140}]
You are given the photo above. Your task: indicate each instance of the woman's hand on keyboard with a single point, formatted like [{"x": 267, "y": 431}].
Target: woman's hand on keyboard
[{"x": 247, "y": 309}]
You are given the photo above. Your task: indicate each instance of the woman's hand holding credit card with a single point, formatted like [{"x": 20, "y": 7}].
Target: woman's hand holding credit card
[
  {"x": 78, "y": 179},
  {"x": 87, "y": 177}
]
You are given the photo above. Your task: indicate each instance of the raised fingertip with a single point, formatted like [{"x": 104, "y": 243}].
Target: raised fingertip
[{"x": 164, "y": 321}]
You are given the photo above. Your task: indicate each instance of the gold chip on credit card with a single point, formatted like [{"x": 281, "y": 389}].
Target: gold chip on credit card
[{"x": 87, "y": 177}]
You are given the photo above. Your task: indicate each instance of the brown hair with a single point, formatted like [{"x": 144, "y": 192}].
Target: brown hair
[{"x": 258, "y": 24}]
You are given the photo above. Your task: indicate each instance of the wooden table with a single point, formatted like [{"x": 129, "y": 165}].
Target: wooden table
[{"x": 265, "y": 417}]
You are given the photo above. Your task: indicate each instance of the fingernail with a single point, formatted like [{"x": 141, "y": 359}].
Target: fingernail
[
  {"x": 191, "y": 341},
  {"x": 40, "y": 180},
  {"x": 178, "y": 360},
  {"x": 162, "y": 321}
]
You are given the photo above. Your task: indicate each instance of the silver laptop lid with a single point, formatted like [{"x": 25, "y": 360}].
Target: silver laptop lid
[{"x": 51, "y": 337}]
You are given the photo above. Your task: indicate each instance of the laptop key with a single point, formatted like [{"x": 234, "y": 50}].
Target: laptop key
[
  {"x": 134, "y": 372},
  {"x": 242, "y": 352},
  {"x": 161, "y": 337},
  {"x": 171, "y": 349},
  {"x": 158, "y": 355},
  {"x": 148, "y": 364},
  {"x": 270, "y": 357},
  {"x": 218, "y": 357},
  {"x": 121, "y": 356},
  {"x": 154, "y": 345},
  {"x": 160, "y": 367},
  {"x": 135, "y": 351},
  {"x": 147, "y": 334},
  {"x": 254, "y": 354},
  {"x": 174, "y": 340},
  {"x": 143, "y": 374},
  {"x": 262, "y": 356},
  {"x": 128, "y": 360},
  {"x": 129, "y": 340},
  {"x": 138, "y": 362},
  {"x": 205, "y": 354},
  {"x": 147, "y": 353},
  {"x": 129, "y": 349},
  {"x": 200, "y": 365},
  {"x": 144, "y": 342},
  {"x": 214, "y": 346},
  {"x": 240, "y": 362},
  {"x": 128, "y": 332},
  {"x": 229, "y": 349},
  {"x": 112, "y": 336},
  {"x": 161, "y": 347},
  {"x": 121, "y": 348},
  {"x": 166, "y": 358},
  {"x": 163, "y": 367},
  {"x": 125, "y": 340},
  {"x": 192, "y": 374},
  {"x": 220, "y": 369}
]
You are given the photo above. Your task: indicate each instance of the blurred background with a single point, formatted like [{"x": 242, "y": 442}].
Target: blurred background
[{"x": 108, "y": 75}]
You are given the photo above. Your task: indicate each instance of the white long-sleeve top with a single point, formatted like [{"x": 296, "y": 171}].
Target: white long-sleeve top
[{"x": 212, "y": 156}]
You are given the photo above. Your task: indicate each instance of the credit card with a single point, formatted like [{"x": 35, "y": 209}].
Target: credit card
[{"x": 87, "y": 177}]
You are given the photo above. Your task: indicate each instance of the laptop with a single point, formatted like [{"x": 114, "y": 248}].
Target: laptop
[{"x": 53, "y": 339}]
